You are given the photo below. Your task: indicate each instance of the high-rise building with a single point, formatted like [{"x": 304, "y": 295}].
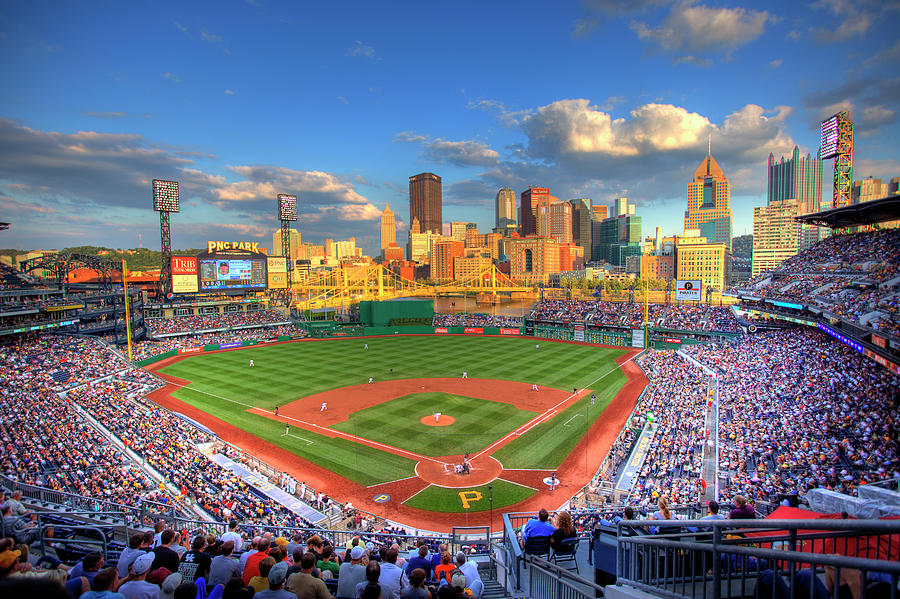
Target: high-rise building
[
  {"x": 458, "y": 230},
  {"x": 709, "y": 203},
  {"x": 776, "y": 234},
  {"x": 468, "y": 267},
  {"x": 617, "y": 237},
  {"x": 505, "y": 209},
  {"x": 599, "y": 211},
  {"x": 533, "y": 259},
  {"x": 388, "y": 228},
  {"x": 531, "y": 199},
  {"x": 418, "y": 248},
  {"x": 442, "y": 257},
  {"x": 798, "y": 178},
  {"x": 555, "y": 220},
  {"x": 425, "y": 201},
  {"x": 294, "y": 241},
  {"x": 581, "y": 224},
  {"x": 698, "y": 260},
  {"x": 868, "y": 190}
]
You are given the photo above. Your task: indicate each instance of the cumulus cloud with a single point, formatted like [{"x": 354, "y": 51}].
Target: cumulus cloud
[
  {"x": 442, "y": 151},
  {"x": 691, "y": 29},
  {"x": 91, "y": 176},
  {"x": 872, "y": 102}
]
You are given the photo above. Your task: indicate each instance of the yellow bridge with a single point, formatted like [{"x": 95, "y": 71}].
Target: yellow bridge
[{"x": 345, "y": 286}]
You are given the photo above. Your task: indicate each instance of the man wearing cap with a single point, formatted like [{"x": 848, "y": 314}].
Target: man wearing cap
[
  {"x": 167, "y": 589},
  {"x": 137, "y": 586},
  {"x": 276, "y": 590},
  {"x": 304, "y": 584},
  {"x": 458, "y": 583},
  {"x": 351, "y": 573}
]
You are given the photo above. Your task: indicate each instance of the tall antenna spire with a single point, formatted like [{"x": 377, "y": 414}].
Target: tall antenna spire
[{"x": 708, "y": 144}]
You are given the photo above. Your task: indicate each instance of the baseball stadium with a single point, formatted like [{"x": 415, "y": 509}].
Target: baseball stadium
[{"x": 546, "y": 442}]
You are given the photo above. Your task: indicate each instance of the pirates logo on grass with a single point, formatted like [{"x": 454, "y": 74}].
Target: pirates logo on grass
[{"x": 469, "y": 497}]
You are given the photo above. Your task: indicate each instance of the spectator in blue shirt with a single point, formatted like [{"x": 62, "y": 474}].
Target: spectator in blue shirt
[{"x": 537, "y": 527}]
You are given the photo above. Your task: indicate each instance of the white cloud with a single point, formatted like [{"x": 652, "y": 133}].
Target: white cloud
[
  {"x": 854, "y": 20},
  {"x": 229, "y": 92},
  {"x": 442, "y": 151},
  {"x": 774, "y": 64},
  {"x": 595, "y": 11},
  {"x": 342, "y": 100},
  {"x": 363, "y": 50},
  {"x": 210, "y": 37},
  {"x": 171, "y": 77},
  {"x": 181, "y": 27},
  {"x": 692, "y": 29}
]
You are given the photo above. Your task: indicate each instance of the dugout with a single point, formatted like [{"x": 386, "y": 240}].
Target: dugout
[{"x": 396, "y": 313}]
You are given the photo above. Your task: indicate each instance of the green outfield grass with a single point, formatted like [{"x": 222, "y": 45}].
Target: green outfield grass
[
  {"x": 478, "y": 423},
  {"x": 443, "y": 499},
  {"x": 223, "y": 384}
]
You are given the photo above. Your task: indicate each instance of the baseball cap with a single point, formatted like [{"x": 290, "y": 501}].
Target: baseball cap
[
  {"x": 169, "y": 585},
  {"x": 278, "y": 573},
  {"x": 357, "y": 552},
  {"x": 158, "y": 576},
  {"x": 458, "y": 580},
  {"x": 142, "y": 564},
  {"x": 370, "y": 546}
]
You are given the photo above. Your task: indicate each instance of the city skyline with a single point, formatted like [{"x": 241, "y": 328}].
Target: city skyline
[{"x": 257, "y": 98}]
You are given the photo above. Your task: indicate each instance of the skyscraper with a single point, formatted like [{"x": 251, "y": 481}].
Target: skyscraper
[
  {"x": 581, "y": 224},
  {"x": 555, "y": 220},
  {"x": 531, "y": 199},
  {"x": 798, "y": 178},
  {"x": 388, "y": 228},
  {"x": 776, "y": 233},
  {"x": 505, "y": 209},
  {"x": 294, "y": 240},
  {"x": 425, "y": 201},
  {"x": 709, "y": 203}
]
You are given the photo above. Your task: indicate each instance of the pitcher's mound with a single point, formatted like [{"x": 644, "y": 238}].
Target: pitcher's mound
[{"x": 444, "y": 421}]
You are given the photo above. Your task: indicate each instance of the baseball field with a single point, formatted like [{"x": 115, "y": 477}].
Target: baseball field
[{"x": 388, "y": 421}]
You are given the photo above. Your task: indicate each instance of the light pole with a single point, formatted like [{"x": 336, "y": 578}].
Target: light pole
[{"x": 491, "y": 521}]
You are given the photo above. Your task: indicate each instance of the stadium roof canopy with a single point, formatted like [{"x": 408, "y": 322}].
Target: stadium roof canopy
[{"x": 868, "y": 213}]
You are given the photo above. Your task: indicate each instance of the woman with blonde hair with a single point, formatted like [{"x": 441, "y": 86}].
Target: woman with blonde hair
[{"x": 565, "y": 529}]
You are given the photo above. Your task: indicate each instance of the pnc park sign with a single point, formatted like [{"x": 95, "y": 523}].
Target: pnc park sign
[{"x": 223, "y": 246}]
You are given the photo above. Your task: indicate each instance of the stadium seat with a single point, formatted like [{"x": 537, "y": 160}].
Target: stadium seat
[
  {"x": 566, "y": 552},
  {"x": 539, "y": 546}
]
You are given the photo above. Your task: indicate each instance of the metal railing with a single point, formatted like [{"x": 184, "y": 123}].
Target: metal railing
[
  {"x": 549, "y": 581},
  {"x": 765, "y": 558}
]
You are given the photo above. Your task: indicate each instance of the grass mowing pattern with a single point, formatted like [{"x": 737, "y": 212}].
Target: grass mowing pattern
[
  {"x": 446, "y": 500},
  {"x": 286, "y": 372},
  {"x": 479, "y": 423},
  {"x": 547, "y": 444}
]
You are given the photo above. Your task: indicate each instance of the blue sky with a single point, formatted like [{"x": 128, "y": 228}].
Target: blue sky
[{"x": 241, "y": 100}]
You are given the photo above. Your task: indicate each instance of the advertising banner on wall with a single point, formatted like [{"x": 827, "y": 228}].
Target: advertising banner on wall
[
  {"x": 579, "y": 332},
  {"x": 637, "y": 337},
  {"x": 687, "y": 290},
  {"x": 277, "y": 270},
  {"x": 184, "y": 274}
]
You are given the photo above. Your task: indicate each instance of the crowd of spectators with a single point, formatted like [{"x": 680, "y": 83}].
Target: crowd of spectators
[
  {"x": 675, "y": 406},
  {"x": 475, "y": 319},
  {"x": 43, "y": 441},
  {"x": 692, "y": 317},
  {"x": 799, "y": 410},
  {"x": 154, "y": 347},
  {"x": 846, "y": 275},
  {"x": 209, "y": 322}
]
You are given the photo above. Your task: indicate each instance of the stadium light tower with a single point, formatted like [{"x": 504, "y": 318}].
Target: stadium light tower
[
  {"x": 837, "y": 143},
  {"x": 165, "y": 200},
  {"x": 287, "y": 213}
]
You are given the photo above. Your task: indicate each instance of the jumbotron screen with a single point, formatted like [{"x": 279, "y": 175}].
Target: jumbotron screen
[{"x": 232, "y": 273}]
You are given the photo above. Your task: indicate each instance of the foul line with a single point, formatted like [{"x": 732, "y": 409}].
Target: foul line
[
  {"x": 566, "y": 423},
  {"x": 512, "y": 482},
  {"x": 390, "y": 482},
  {"x": 336, "y": 433},
  {"x": 240, "y": 403},
  {"x": 548, "y": 413},
  {"x": 308, "y": 442}
]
